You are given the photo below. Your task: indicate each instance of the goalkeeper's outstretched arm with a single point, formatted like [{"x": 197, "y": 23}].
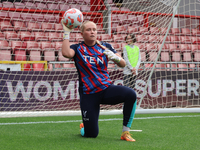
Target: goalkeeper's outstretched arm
[{"x": 66, "y": 51}]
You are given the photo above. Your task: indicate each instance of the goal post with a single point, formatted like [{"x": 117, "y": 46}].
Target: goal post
[{"x": 167, "y": 33}]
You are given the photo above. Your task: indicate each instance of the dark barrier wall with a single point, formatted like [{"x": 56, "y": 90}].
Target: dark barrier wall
[{"x": 58, "y": 90}]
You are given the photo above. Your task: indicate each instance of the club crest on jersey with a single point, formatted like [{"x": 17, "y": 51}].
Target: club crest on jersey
[{"x": 100, "y": 50}]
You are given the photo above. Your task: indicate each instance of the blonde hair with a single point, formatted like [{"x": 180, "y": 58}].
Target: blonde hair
[{"x": 82, "y": 27}]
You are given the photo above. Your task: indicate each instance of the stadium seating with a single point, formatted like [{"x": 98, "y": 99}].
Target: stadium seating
[
  {"x": 195, "y": 32},
  {"x": 185, "y": 31},
  {"x": 34, "y": 55},
  {"x": 153, "y": 38},
  {"x": 19, "y": 5},
  {"x": 11, "y": 35},
  {"x": 105, "y": 37},
  {"x": 182, "y": 67},
  {"x": 154, "y": 30},
  {"x": 186, "y": 52},
  {"x": 8, "y": 4},
  {"x": 160, "y": 67},
  {"x": 55, "y": 36},
  {"x": 175, "y": 31},
  {"x": 196, "y": 51},
  {"x": 175, "y": 52},
  {"x": 47, "y": 27},
  {"x": 121, "y": 29},
  {"x": 34, "y": 26},
  {"x": 30, "y": 5},
  {"x": 6, "y": 26},
  {"x": 61, "y": 57},
  {"x": 185, "y": 39},
  {"x": 38, "y": 67},
  {"x": 165, "y": 53},
  {"x": 152, "y": 50},
  {"x": 132, "y": 29},
  {"x": 26, "y": 36},
  {"x": 174, "y": 39},
  {"x": 19, "y": 26},
  {"x": 41, "y": 36},
  {"x": 18, "y": 49},
  {"x": 143, "y": 30}
]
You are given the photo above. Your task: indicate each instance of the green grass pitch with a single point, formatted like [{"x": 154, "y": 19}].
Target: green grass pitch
[{"x": 159, "y": 132}]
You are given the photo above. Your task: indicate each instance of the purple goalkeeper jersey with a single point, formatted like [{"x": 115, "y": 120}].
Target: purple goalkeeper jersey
[{"x": 91, "y": 65}]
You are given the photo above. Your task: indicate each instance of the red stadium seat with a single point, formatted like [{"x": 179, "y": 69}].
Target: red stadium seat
[
  {"x": 196, "y": 51},
  {"x": 2, "y": 37},
  {"x": 58, "y": 27},
  {"x": 174, "y": 39},
  {"x": 27, "y": 67},
  {"x": 41, "y": 6},
  {"x": 142, "y": 46},
  {"x": 18, "y": 49},
  {"x": 132, "y": 19},
  {"x": 152, "y": 51},
  {"x": 30, "y": 5},
  {"x": 47, "y": 46},
  {"x": 20, "y": 55},
  {"x": 6, "y": 26},
  {"x": 143, "y": 56},
  {"x": 79, "y": 37},
  {"x": 185, "y": 31},
  {"x": 11, "y": 35},
  {"x": 114, "y": 27},
  {"x": 195, "y": 40},
  {"x": 54, "y": 67},
  {"x": 26, "y": 36},
  {"x": 141, "y": 38},
  {"x": 165, "y": 52},
  {"x": 4, "y": 45},
  {"x": 185, "y": 39},
  {"x": 72, "y": 37},
  {"x": 182, "y": 67},
  {"x": 167, "y": 40},
  {"x": 105, "y": 37},
  {"x": 47, "y": 27},
  {"x": 54, "y": 36},
  {"x": 132, "y": 29},
  {"x": 175, "y": 51},
  {"x": 100, "y": 29},
  {"x": 8, "y": 4},
  {"x": 5, "y": 51},
  {"x": 116, "y": 46},
  {"x": 35, "y": 55},
  {"x": 38, "y": 17},
  {"x": 85, "y": 8},
  {"x": 41, "y": 36},
  {"x": 154, "y": 30},
  {"x": 140, "y": 19},
  {"x": 38, "y": 67},
  {"x": 15, "y": 16},
  {"x": 163, "y": 31},
  {"x": 175, "y": 31},
  {"x": 32, "y": 45},
  {"x": 143, "y": 30},
  {"x": 160, "y": 67},
  {"x": 153, "y": 38},
  {"x": 49, "y": 18},
  {"x": 4, "y": 15},
  {"x": 58, "y": 46},
  {"x": 19, "y": 5},
  {"x": 118, "y": 38},
  {"x": 19, "y": 26},
  {"x": 186, "y": 51},
  {"x": 195, "y": 32},
  {"x": 64, "y": 7},
  {"x": 52, "y": 6},
  {"x": 69, "y": 66},
  {"x": 49, "y": 55},
  {"x": 34, "y": 26},
  {"x": 121, "y": 29},
  {"x": 115, "y": 18}
]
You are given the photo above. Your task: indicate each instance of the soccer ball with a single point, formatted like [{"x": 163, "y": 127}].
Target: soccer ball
[{"x": 72, "y": 18}]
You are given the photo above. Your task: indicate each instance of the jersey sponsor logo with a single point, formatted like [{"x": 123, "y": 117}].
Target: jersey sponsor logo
[{"x": 94, "y": 60}]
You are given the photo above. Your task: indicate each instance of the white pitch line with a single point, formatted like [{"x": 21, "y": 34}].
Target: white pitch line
[{"x": 112, "y": 119}]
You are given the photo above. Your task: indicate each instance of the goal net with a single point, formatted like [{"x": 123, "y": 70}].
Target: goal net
[{"x": 36, "y": 80}]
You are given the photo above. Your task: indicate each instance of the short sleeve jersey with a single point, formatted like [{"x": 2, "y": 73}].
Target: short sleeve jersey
[{"x": 91, "y": 65}]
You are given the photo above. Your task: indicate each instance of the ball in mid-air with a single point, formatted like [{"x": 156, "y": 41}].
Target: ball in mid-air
[{"x": 72, "y": 18}]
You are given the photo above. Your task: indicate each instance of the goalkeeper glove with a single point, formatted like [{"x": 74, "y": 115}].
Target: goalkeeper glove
[
  {"x": 112, "y": 56},
  {"x": 66, "y": 31}
]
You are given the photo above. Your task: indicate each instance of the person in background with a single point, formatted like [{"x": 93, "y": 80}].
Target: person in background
[{"x": 131, "y": 54}]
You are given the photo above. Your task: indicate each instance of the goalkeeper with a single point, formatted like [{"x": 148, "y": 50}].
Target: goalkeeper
[
  {"x": 95, "y": 87},
  {"x": 131, "y": 54}
]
